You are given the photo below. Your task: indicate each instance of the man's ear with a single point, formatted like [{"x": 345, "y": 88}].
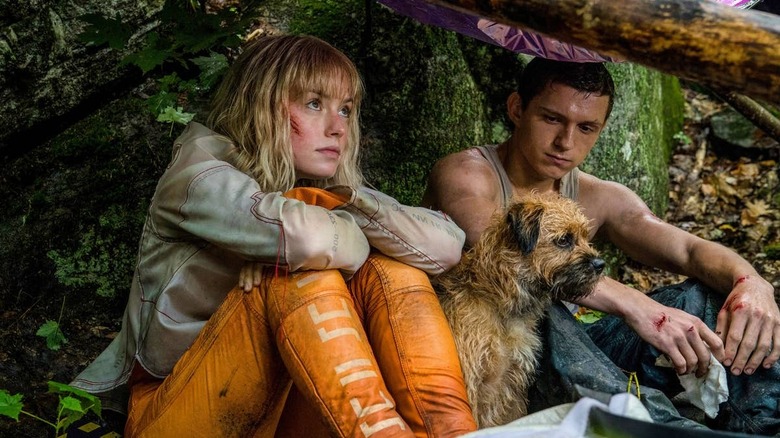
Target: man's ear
[{"x": 514, "y": 107}]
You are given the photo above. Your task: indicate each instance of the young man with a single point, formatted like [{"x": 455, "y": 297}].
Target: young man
[{"x": 558, "y": 113}]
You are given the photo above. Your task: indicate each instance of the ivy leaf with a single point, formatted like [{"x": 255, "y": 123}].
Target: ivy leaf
[
  {"x": 54, "y": 336},
  {"x": 101, "y": 30},
  {"x": 211, "y": 68},
  {"x": 175, "y": 115},
  {"x": 10, "y": 405}
]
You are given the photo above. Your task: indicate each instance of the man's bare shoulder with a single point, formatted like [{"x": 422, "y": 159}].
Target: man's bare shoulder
[{"x": 460, "y": 175}]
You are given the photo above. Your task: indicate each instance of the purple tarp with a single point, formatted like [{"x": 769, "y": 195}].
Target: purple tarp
[{"x": 512, "y": 38}]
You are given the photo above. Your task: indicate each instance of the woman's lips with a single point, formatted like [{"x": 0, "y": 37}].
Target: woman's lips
[{"x": 331, "y": 152}]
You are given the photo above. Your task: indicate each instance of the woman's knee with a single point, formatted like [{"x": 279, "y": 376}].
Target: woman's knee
[{"x": 288, "y": 292}]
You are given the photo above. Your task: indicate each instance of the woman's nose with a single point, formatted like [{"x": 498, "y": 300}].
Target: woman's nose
[{"x": 337, "y": 126}]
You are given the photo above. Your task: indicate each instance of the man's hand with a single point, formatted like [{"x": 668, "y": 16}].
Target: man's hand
[
  {"x": 684, "y": 338},
  {"x": 749, "y": 324}
]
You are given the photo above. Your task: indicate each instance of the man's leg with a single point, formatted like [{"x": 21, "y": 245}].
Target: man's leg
[
  {"x": 572, "y": 366},
  {"x": 752, "y": 406}
]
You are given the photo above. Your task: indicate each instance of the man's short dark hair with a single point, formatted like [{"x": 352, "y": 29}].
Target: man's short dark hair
[{"x": 587, "y": 77}]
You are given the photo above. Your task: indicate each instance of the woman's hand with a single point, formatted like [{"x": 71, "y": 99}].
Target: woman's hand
[{"x": 250, "y": 276}]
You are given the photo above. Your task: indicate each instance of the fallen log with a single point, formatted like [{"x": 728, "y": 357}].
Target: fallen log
[{"x": 699, "y": 40}]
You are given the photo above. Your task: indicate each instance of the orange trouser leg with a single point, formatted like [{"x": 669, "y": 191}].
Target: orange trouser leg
[
  {"x": 326, "y": 352},
  {"x": 413, "y": 344},
  {"x": 235, "y": 377},
  {"x": 230, "y": 383}
]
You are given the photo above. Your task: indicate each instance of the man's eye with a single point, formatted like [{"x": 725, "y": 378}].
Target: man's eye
[
  {"x": 587, "y": 129},
  {"x": 565, "y": 241},
  {"x": 550, "y": 119}
]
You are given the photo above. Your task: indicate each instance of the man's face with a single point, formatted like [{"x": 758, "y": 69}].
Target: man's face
[{"x": 558, "y": 128}]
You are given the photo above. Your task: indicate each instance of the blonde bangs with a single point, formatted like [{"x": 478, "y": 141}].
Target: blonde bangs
[{"x": 250, "y": 107}]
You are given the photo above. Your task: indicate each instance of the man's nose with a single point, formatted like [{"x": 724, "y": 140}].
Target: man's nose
[{"x": 565, "y": 138}]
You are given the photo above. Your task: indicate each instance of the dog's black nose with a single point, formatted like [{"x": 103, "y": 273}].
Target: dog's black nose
[{"x": 598, "y": 265}]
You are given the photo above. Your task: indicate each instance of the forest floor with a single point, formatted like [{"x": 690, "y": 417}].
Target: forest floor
[{"x": 713, "y": 194}]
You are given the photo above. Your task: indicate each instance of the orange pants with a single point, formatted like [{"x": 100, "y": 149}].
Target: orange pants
[{"x": 372, "y": 356}]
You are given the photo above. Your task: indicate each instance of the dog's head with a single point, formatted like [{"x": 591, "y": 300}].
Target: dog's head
[{"x": 544, "y": 239}]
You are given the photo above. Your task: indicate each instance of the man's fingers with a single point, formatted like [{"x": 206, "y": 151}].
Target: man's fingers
[
  {"x": 733, "y": 337},
  {"x": 747, "y": 344},
  {"x": 761, "y": 351},
  {"x": 774, "y": 354},
  {"x": 722, "y": 325},
  {"x": 700, "y": 346}
]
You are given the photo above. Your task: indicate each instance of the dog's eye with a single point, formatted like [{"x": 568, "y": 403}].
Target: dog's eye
[{"x": 565, "y": 241}]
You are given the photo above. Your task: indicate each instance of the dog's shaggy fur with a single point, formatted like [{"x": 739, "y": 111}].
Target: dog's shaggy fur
[{"x": 533, "y": 253}]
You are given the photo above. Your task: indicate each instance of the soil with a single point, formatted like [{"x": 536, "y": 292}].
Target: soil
[{"x": 719, "y": 197}]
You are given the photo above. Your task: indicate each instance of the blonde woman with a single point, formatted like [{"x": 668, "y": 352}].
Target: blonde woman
[{"x": 340, "y": 306}]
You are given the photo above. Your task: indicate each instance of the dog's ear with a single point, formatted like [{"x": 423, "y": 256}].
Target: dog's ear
[{"x": 524, "y": 225}]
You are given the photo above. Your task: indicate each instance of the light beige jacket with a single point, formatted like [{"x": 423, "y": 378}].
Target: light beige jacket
[{"x": 207, "y": 217}]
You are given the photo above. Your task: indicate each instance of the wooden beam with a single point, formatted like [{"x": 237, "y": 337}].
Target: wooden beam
[{"x": 700, "y": 40}]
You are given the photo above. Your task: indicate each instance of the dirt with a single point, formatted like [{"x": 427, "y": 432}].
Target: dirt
[{"x": 709, "y": 196}]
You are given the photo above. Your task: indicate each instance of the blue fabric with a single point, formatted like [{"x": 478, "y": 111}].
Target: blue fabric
[{"x": 589, "y": 359}]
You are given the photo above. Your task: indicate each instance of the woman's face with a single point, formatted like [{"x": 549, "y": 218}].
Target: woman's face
[{"x": 319, "y": 132}]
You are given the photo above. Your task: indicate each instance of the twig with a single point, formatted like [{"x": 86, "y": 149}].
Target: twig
[{"x": 753, "y": 111}]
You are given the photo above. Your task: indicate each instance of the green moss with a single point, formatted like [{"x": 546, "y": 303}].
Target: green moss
[
  {"x": 81, "y": 218},
  {"x": 425, "y": 105},
  {"x": 636, "y": 145},
  {"x": 772, "y": 251}
]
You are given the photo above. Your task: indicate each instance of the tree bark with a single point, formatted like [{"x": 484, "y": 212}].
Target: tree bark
[{"x": 700, "y": 40}]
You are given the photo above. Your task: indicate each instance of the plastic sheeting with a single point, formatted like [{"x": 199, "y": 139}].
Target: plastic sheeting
[{"x": 512, "y": 38}]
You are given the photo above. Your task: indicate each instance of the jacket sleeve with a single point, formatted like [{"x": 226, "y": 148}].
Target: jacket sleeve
[
  {"x": 417, "y": 236},
  {"x": 225, "y": 207}
]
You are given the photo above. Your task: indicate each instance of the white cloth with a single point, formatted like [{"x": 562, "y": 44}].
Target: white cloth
[
  {"x": 706, "y": 392},
  {"x": 565, "y": 421}
]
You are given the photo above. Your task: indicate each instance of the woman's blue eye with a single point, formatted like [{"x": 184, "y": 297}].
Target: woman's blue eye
[
  {"x": 314, "y": 104},
  {"x": 345, "y": 112}
]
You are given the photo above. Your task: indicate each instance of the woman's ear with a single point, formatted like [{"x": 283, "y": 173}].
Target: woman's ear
[{"x": 514, "y": 107}]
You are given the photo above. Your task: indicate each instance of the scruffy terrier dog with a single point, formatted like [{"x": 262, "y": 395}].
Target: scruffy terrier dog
[{"x": 533, "y": 253}]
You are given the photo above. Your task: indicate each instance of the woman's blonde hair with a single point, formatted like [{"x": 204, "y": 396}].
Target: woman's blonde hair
[{"x": 250, "y": 106}]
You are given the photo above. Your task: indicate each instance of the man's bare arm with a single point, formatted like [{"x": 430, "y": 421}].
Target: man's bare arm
[
  {"x": 748, "y": 324},
  {"x": 465, "y": 187}
]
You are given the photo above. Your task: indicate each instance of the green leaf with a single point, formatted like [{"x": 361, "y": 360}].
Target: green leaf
[
  {"x": 154, "y": 53},
  {"x": 10, "y": 405},
  {"x": 589, "y": 316},
  {"x": 158, "y": 102},
  {"x": 53, "y": 334},
  {"x": 175, "y": 115},
  {"x": 211, "y": 68},
  {"x": 101, "y": 30},
  {"x": 87, "y": 401},
  {"x": 71, "y": 404}
]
